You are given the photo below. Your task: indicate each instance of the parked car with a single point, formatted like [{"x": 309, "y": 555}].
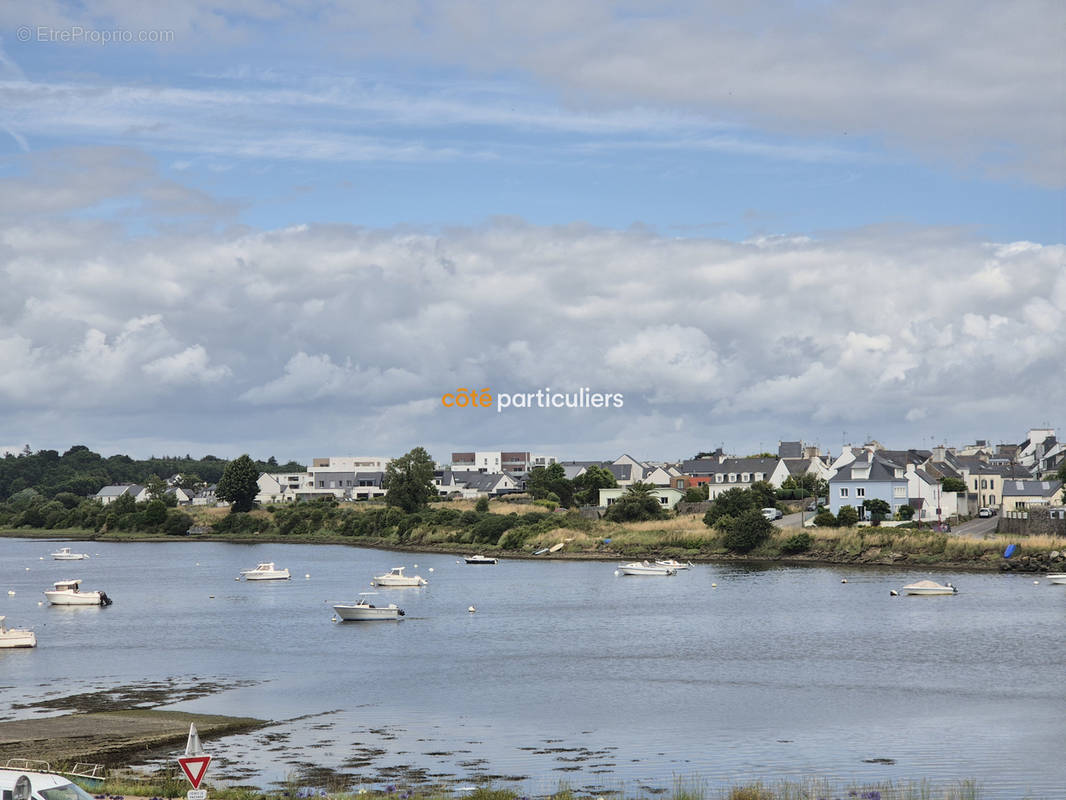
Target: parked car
[
  {"x": 985, "y": 512},
  {"x": 772, "y": 513}
]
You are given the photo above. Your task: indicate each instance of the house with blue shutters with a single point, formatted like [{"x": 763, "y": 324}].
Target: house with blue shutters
[{"x": 869, "y": 476}]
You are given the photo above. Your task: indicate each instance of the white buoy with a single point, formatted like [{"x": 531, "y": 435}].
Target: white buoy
[
  {"x": 236, "y": 579},
  {"x": 40, "y": 602},
  {"x": 431, "y": 569},
  {"x": 27, "y": 569},
  {"x": 471, "y": 609},
  {"x": 41, "y": 558},
  {"x": 416, "y": 566},
  {"x": 307, "y": 575},
  {"x": 197, "y": 563},
  {"x": 10, "y": 591},
  {"x": 714, "y": 585},
  {"x": 1035, "y": 583}
]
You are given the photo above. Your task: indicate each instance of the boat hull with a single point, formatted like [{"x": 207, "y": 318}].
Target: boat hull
[
  {"x": 280, "y": 576},
  {"x": 920, "y": 592},
  {"x": 360, "y": 613},
  {"x": 75, "y": 598},
  {"x": 630, "y": 569},
  {"x": 385, "y": 581},
  {"x": 1057, "y": 577},
  {"x": 17, "y": 638},
  {"x": 69, "y": 556},
  {"x": 481, "y": 560}
]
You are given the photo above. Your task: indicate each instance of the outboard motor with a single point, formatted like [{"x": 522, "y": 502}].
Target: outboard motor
[
  {"x": 401, "y": 612},
  {"x": 104, "y": 599}
]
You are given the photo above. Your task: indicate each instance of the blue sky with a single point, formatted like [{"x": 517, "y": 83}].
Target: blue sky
[{"x": 794, "y": 184}]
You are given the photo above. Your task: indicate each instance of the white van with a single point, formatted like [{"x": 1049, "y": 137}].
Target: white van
[{"x": 18, "y": 784}]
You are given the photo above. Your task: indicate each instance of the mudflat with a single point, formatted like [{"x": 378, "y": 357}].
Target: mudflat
[{"x": 109, "y": 737}]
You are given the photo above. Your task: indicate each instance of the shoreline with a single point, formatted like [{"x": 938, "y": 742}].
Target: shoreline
[{"x": 902, "y": 562}]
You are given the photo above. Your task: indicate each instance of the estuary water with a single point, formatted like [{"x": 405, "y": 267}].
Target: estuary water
[{"x": 566, "y": 672}]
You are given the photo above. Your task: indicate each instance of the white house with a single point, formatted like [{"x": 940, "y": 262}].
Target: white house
[
  {"x": 727, "y": 473},
  {"x": 109, "y": 494},
  {"x": 924, "y": 487},
  {"x": 667, "y": 496}
]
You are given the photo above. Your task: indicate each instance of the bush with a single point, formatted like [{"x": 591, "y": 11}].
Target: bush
[
  {"x": 469, "y": 518},
  {"x": 239, "y": 522},
  {"x": 492, "y": 527},
  {"x": 732, "y": 502},
  {"x": 747, "y": 532},
  {"x": 905, "y": 512},
  {"x": 825, "y": 519},
  {"x": 847, "y": 517},
  {"x": 177, "y": 523},
  {"x": 482, "y": 505},
  {"x": 800, "y": 543},
  {"x": 551, "y": 505}
]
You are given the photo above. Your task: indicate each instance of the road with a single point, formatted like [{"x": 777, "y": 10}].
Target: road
[
  {"x": 792, "y": 520},
  {"x": 977, "y": 528}
]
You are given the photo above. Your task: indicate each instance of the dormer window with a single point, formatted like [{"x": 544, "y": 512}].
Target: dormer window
[
  {"x": 744, "y": 477},
  {"x": 732, "y": 477}
]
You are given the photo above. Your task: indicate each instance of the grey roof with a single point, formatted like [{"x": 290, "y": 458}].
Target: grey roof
[
  {"x": 790, "y": 449},
  {"x": 710, "y": 466},
  {"x": 1030, "y": 488},
  {"x": 881, "y": 469},
  {"x": 905, "y": 457},
  {"x": 925, "y": 476},
  {"x": 481, "y": 481},
  {"x": 797, "y": 466},
  {"x": 119, "y": 489}
]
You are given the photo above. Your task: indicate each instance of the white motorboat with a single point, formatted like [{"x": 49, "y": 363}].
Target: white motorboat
[
  {"x": 645, "y": 568},
  {"x": 16, "y": 637},
  {"x": 1056, "y": 577},
  {"x": 266, "y": 571},
  {"x": 672, "y": 564},
  {"x": 480, "y": 559},
  {"x": 68, "y": 593},
  {"x": 365, "y": 610},
  {"x": 395, "y": 577},
  {"x": 929, "y": 587},
  {"x": 64, "y": 554}
]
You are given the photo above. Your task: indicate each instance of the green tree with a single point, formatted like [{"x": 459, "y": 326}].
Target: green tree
[
  {"x": 763, "y": 494},
  {"x": 408, "y": 481},
  {"x": 543, "y": 481},
  {"x": 952, "y": 485},
  {"x": 826, "y": 519},
  {"x": 695, "y": 494},
  {"x": 847, "y": 516},
  {"x": 905, "y": 512},
  {"x": 239, "y": 484},
  {"x": 732, "y": 502},
  {"x": 1060, "y": 475},
  {"x": 587, "y": 485},
  {"x": 155, "y": 513},
  {"x": 878, "y": 508},
  {"x": 636, "y": 505},
  {"x": 156, "y": 486},
  {"x": 747, "y": 532},
  {"x": 482, "y": 505}
]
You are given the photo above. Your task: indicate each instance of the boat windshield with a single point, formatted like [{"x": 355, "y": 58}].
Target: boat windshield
[{"x": 68, "y": 791}]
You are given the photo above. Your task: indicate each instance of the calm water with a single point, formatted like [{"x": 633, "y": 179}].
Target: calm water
[{"x": 565, "y": 672}]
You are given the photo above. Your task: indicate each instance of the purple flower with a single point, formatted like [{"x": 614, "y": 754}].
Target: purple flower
[{"x": 390, "y": 788}]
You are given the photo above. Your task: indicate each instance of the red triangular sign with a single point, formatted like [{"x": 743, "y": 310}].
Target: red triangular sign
[{"x": 194, "y": 768}]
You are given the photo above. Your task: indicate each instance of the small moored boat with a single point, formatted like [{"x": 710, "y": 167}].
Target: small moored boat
[
  {"x": 929, "y": 587},
  {"x": 365, "y": 610},
  {"x": 1056, "y": 577},
  {"x": 645, "y": 568},
  {"x": 395, "y": 577},
  {"x": 266, "y": 571},
  {"x": 16, "y": 637},
  {"x": 542, "y": 551},
  {"x": 480, "y": 559},
  {"x": 64, "y": 554},
  {"x": 68, "y": 593},
  {"x": 673, "y": 564}
]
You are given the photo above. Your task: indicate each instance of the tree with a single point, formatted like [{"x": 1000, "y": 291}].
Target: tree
[
  {"x": 847, "y": 517},
  {"x": 905, "y": 512},
  {"x": 747, "y": 532},
  {"x": 732, "y": 502},
  {"x": 1060, "y": 476},
  {"x": 543, "y": 481},
  {"x": 636, "y": 505},
  {"x": 878, "y": 508},
  {"x": 408, "y": 481},
  {"x": 695, "y": 494},
  {"x": 482, "y": 505},
  {"x": 952, "y": 485},
  {"x": 587, "y": 485},
  {"x": 239, "y": 484},
  {"x": 156, "y": 486},
  {"x": 764, "y": 494}
]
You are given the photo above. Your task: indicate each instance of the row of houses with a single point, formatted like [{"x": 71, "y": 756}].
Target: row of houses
[{"x": 1003, "y": 477}]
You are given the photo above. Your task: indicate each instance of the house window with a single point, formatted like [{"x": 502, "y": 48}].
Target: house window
[
  {"x": 899, "y": 491},
  {"x": 663, "y": 500},
  {"x": 975, "y": 484},
  {"x": 991, "y": 483},
  {"x": 321, "y": 484},
  {"x": 732, "y": 477},
  {"x": 991, "y": 499},
  {"x": 984, "y": 484},
  {"x": 719, "y": 478},
  {"x": 860, "y": 491},
  {"x": 744, "y": 477},
  {"x": 843, "y": 491},
  {"x": 758, "y": 476}
]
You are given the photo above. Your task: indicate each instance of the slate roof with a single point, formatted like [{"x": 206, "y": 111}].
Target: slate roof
[
  {"x": 117, "y": 490},
  {"x": 481, "y": 481},
  {"x": 1030, "y": 488},
  {"x": 881, "y": 469},
  {"x": 710, "y": 466},
  {"x": 790, "y": 450}
]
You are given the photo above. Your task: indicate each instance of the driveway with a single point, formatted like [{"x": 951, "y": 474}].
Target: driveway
[
  {"x": 792, "y": 520},
  {"x": 977, "y": 528}
]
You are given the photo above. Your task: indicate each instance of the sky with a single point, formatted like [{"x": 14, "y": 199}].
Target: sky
[{"x": 290, "y": 227}]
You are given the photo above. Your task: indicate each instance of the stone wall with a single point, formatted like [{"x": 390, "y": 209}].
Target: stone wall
[{"x": 1034, "y": 522}]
